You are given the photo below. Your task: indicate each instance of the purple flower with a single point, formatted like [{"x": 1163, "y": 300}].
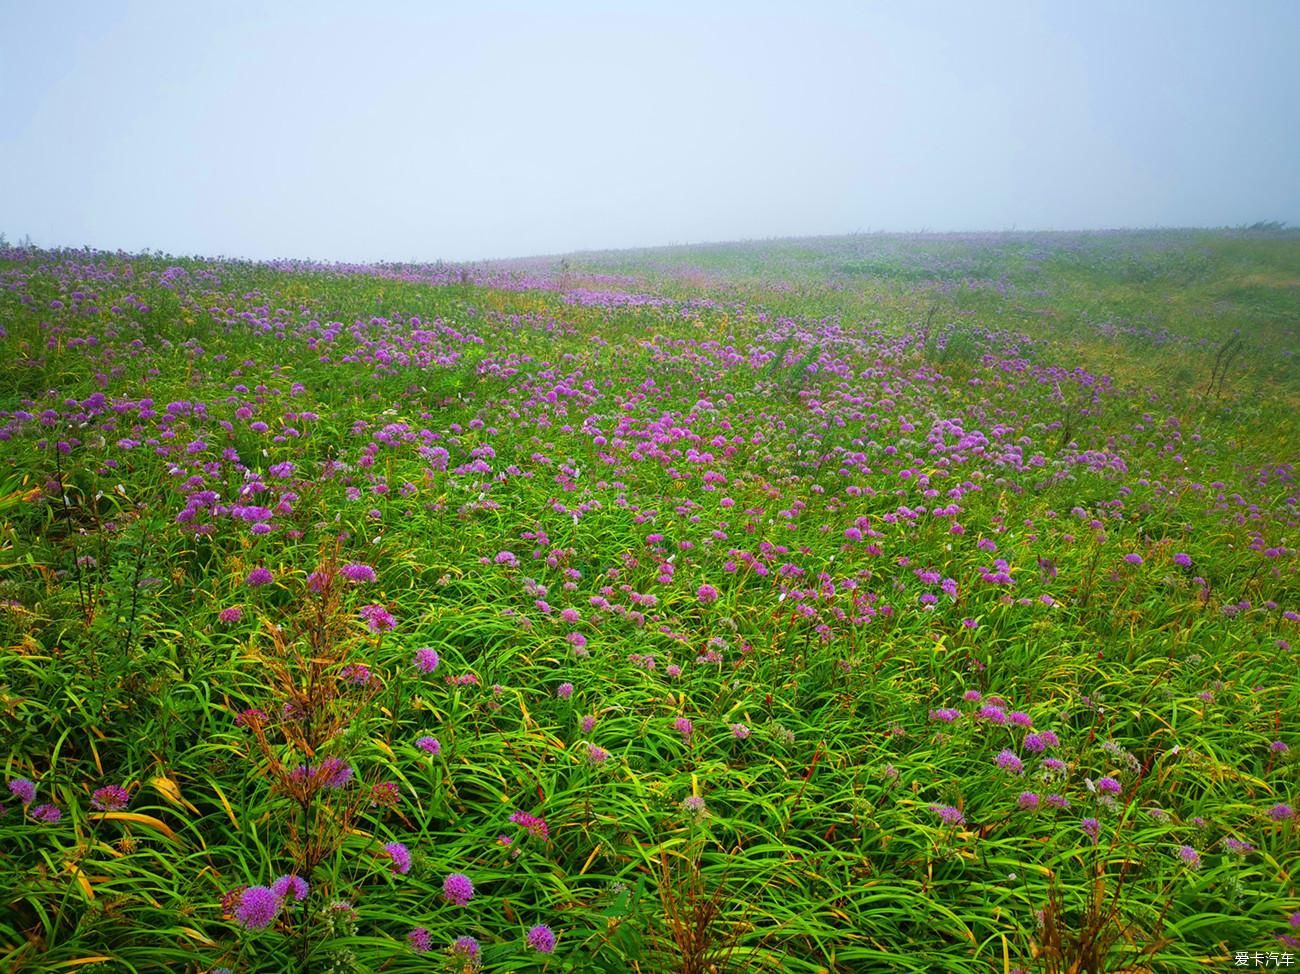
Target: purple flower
[
  {"x": 1278, "y": 747},
  {"x": 693, "y": 804},
  {"x": 400, "y": 856},
  {"x": 1027, "y": 800},
  {"x": 533, "y": 824},
  {"x": 466, "y": 948},
  {"x": 230, "y": 615},
  {"x": 596, "y": 755},
  {"x": 1020, "y": 718},
  {"x": 1189, "y": 856},
  {"x": 948, "y": 814},
  {"x": 707, "y": 594},
  {"x": 1182, "y": 559},
  {"x": 49, "y": 814},
  {"x": 429, "y": 745},
  {"x": 258, "y": 577},
  {"x": 588, "y": 723},
  {"x": 1058, "y": 801},
  {"x": 286, "y": 885},
  {"x": 541, "y": 938},
  {"x": 1008, "y": 761},
  {"x": 357, "y": 572},
  {"x": 739, "y": 731},
  {"x": 426, "y": 659},
  {"x": 1054, "y": 764},
  {"x": 972, "y": 696},
  {"x": 357, "y": 674},
  {"x": 1109, "y": 786},
  {"x": 110, "y": 798},
  {"x": 1035, "y": 743},
  {"x": 378, "y": 619},
  {"x": 257, "y": 907},
  {"x": 564, "y": 691},
  {"x": 23, "y": 789},
  {"x": 335, "y": 772},
  {"x": 684, "y": 727},
  {"x": 1092, "y": 827},
  {"x": 1281, "y": 812},
  {"x": 1133, "y": 558},
  {"x": 420, "y": 940},
  {"x": 457, "y": 889},
  {"x": 507, "y": 558},
  {"x": 945, "y": 714}
]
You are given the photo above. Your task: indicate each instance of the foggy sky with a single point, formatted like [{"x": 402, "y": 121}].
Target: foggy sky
[{"x": 478, "y": 130}]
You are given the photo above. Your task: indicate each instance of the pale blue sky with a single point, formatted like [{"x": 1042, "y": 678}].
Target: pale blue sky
[{"x": 477, "y": 130}]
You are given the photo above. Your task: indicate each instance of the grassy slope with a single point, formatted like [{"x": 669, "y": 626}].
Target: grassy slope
[{"x": 765, "y": 419}]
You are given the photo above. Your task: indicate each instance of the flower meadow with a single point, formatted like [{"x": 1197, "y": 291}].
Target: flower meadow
[{"x": 877, "y": 603}]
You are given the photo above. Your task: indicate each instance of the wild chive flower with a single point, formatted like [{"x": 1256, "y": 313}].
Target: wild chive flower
[
  {"x": 1027, "y": 800},
  {"x": 972, "y": 696},
  {"x": 420, "y": 940},
  {"x": 49, "y": 814},
  {"x": 684, "y": 727},
  {"x": 693, "y": 804},
  {"x": 429, "y": 745},
  {"x": 286, "y": 885},
  {"x": 1035, "y": 743},
  {"x": 336, "y": 772},
  {"x": 23, "y": 789},
  {"x": 457, "y": 889},
  {"x": 948, "y": 814},
  {"x": 1237, "y": 846},
  {"x": 258, "y": 577},
  {"x": 1055, "y": 765},
  {"x": 385, "y": 794},
  {"x": 426, "y": 659},
  {"x": 231, "y": 615},
  {"x": 357, "y": 572},
  {"x": 110, "y": 798},
  {"x": 1092, "y": 827},
  {"x": 541, "y": 938},
  {"x": 532, "y": 824},
  {"x": 257, "y": 907},
  {"x": 993, "y": 713},
  {"x": 1020, "y": 718},
  {"x": 358, "y": 674},
  {"x": 739, "y": 731},
  {"x": 945, "y": 714},
  {"x": 1281, "y": 812},
  {"x": 1058, "y": 801},
  {"x": 466, "y": 948},
  {"x": 588, "y": 723},
  {"x": 378, "y": 619},
  {"x": 400, "y": 856},
  {"x": 707, "y": 594},
  {"x": 1007, "y": 760},
  {"x": 1189, "y": 856},
  {"x": 1182, "y": 559},
  {"x": 1278, "y": 747},
  {"x": 1109, "y": 786},
  {"x": 596, "y": 755},
  {"x": 564, "y": 691},
  {"x": 1133, "y": 558}
]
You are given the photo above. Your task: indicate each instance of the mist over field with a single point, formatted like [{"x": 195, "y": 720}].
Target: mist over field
[{"x": 409, "y": 131}]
